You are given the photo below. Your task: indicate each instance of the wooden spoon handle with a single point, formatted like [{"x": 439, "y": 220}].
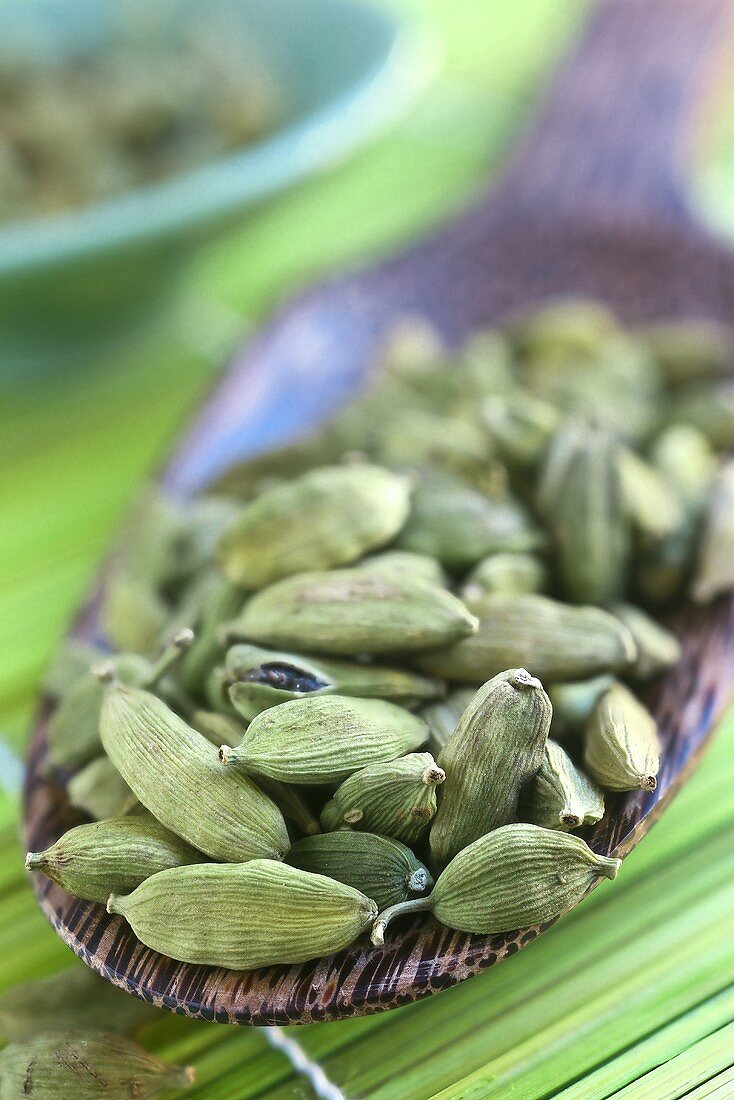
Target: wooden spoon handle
[{"x": 612, "y": 142}]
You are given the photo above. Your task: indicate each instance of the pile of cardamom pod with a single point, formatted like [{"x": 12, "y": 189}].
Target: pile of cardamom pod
[{"x": 393, "y": 667}]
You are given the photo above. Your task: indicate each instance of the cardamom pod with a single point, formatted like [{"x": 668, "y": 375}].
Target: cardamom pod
[
  {"x": 85, "y": 1065},
  {"x": 515, "y": 877},
  {"x": 111, "y": 857},
  {"x": 510, "y": 574},
  {"x": 650, "y": 501},
  {"x": 621, "y": 745},
  {"x": 133, "y": 616},
  {"x": 396, "y": 798},
  {"x": 657, "y": 648},
  {"x": 76, "y": 998},
  {"x": 683, "y": 456},
  {"x": 496, "y": 748},
  {"x": 460, "y": 526},
  {"x": 574, "y": 703},
  {"x": 381, "y": 867},
  {"x": 175, "y": 772},
  {"x": 262, "y": 678},
  {"x": 72, "y": 659},
  {"x": 348, "y": 613},
  {"x": 586, "y": 517},
  {"x": 402, "y": 563},
  {"x": 575, "y": 326},
  {"x": 100, "y": 791},
  {"x": 218, "y": 728},
  {"x": 715, "y": 569},
  {"x": 708, "y": 406},
  {"x": 323, "y": 739},
  {"x": 327, "y": 517},
  {"x": 521, "y": 426},
  {"x": 442, "y": 717},
  {"x": 559, "y": 641},
  {"x": 688, "y": 351},
  {"x": 213, "y": 602},
  {"x": 242, "y": 916},
  {"x": 560, "y": 796}
]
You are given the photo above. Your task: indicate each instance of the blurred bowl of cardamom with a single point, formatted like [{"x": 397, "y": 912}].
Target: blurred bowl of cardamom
[{"x": 133, "y": 135}]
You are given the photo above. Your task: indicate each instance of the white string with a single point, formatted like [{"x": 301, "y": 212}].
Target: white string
[{"x": 300, "y": 1061}]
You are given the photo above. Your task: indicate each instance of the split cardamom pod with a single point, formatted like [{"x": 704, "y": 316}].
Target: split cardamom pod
[
  {"x": 396, "y": 798},
  {"x": 381, "y": 867},
  {"x": 244, "y": 915},
  {"x": 496, "y": 748},
  {"x": 323, "y": 739},
  {"x": 621, "y": 744}
]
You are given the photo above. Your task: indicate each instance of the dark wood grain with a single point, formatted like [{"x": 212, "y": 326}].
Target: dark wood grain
[{"x": 595, "y": 203}]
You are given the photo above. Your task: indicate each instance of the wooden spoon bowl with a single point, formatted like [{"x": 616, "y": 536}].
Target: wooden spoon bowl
[{"x": 593, "y": 205}]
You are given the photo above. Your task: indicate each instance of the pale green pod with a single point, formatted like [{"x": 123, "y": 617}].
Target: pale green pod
[
  {"x": 515, "y": 877},
  {"x": 73, "y": 728},
  {"x": 573, "y": 703},
  {"x": 714, "y": 572},
  {"x": 100, "y": 791},
  {"x": 521, "y": 426},
  {"x": 442, "y": 717},
  {"x": 75, "y": 998},
  {"x": 495, "y": 750},
  {"x": 435, "y": 438},
  {"x": 262, "y": 678},
  {"x": 85, "y": 1065},
  {"x": 72, "y": 659},
  {"x": 621, "y": 744},
  {"x": 215, "y": 600},
  {"x": 689, "y": 351},
  {"x": 516, "y": 574},
  {"x": 242, "y": 916},
  {"x": 657, "y": 648},
  {"x": 328, "y": 517},
  {"x": 572, "y": 325},
  {"x": 133, "y": 616},
  {"x": 348, "y": 613},
  {"x": 683, "y": 456},
  {"x": 708, "y": 406},
  {"x": 176, "y": 774},
  {"x": 650, "y": 501},
  {"x": 403, "y": 563},
  {"x": 662, "y": 569},
  {"x": 381, "y": 867},
  {"x": 323, "y": 739},
  {"x": 560, "y": 796},
  {"x": 558, "y": 641},
  {"x": 458, "y": 526},
  {"x": 218, "y": 728},
  {"x": 396, "y": 798},
  {"x": 585, "y": 513},
  {"x": 111, "y": 857}
]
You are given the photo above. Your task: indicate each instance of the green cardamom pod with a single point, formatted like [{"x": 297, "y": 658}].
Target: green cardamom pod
[
  {"x": 75, "y": 998},
  {"x": 585, "y": 513},
  {"x": 402, "y": 563},
  {"x": 176, "y": 774},
  {"x": 621, "y": 745},
  {"x": 459, "y": 526},
  {"x": 683, "y": 456},
  {"x": 557, "y": 640},
  {"x": 515, "y": 877},
  {"x": 72, "y": 660},
  {"x": 657, "y": 648},
  {"x": 111, "y": 857},
  {"x": 573, "y": 703},
  {"x": 396, "y": 798},
  {"x": 521, "y": 426},
  {"x": 651, "y": 502},
  {"x": 575, "y": 326},
  {"x": 708, "y": 406},
  {"x": 262, "y": 678},
  {"x": 510, "y": 574},
  {"x": 689, "y": 351},
  {"x": 218, "y": 728},
  {"x": 381, "y": 867},
  {"x": 85, "y": 1065},
  {"x": 715, "y": 569},
  {"x": 442, "y": 717},
  {"x": 560, "y": 796},
  {"x": 327, "y": 517},
  {"x": 242, "y": 916},
  {"x": 323, "y": 739},
  {"x": 133, "y": 616},
  {"x": 496, "y": 748},
  {"x": 100, "y": 791},
  {"x": 213, "y": 602},
  {"x": 349, "y": 613}
]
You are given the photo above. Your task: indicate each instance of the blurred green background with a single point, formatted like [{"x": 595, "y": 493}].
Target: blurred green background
[{"x": 631, "y": 996}]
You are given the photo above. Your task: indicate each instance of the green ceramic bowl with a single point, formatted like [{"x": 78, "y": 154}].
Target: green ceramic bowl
[{"x": 72, "y": 284}]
